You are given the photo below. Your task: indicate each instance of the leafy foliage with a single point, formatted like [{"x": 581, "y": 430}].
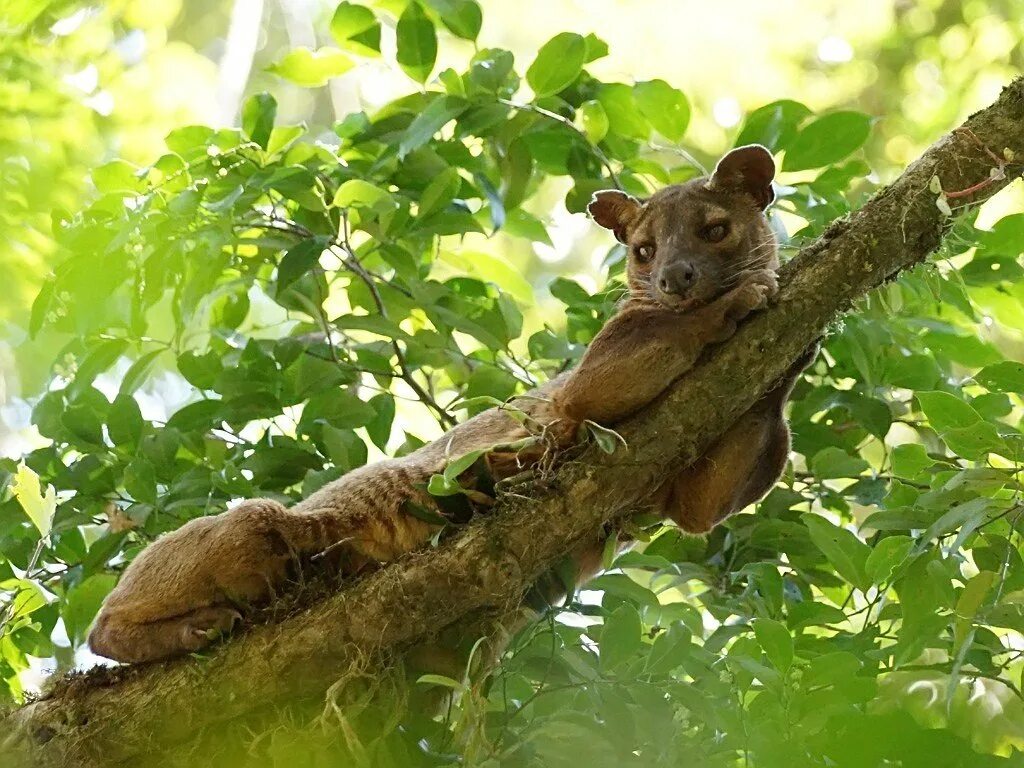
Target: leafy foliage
[{"x": 251, "y": 313}]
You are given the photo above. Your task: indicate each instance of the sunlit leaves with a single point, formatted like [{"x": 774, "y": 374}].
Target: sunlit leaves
[
  {"x": 592, "y": 120},
  {"x": 438, "y": 113},
  {"x": 664, "y": 106},
  {"x": 847, "y": 553},
  {"x": 960, "y": 426},
  {"x": 82, "y": 602},
  {"x": 1005, "y": 376},
  {"x": 258, "y": 114},
  {"x": 558, "y": 63},
  {"x": 283, "y": 285},
  {"x": 826, "y": 140},
  {"x": 298, "y": 261},
  {"x": 773, "y": 125},
  {"x": 417, "y": 42},
  {"x": 624, "y": 116},
  {"x": 440, "y": 192},
  {"x": 117, "y": 176},
  {"x": 358, "y": 192},
  {"x": 462, "y": 17},
  {"x": 309, "y": 68},
  {"x": 886, "y": 556},
  {"x": 38, "y": 505},
  {"x": 776, "y": 642},
  {"x": 356, "y": 28},
  {"x": 834, "y": 462},
  {"x": 620, "y": 636}
]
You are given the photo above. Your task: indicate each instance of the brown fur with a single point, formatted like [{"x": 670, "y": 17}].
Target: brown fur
[{"x": 709, "y": 260}]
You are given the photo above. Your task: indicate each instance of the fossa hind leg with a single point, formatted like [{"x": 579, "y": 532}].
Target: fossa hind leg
[
  {"x": 741, "y": 467},
  {"x": 117, "y": 636},
  {"x": 186, "y": 588}
]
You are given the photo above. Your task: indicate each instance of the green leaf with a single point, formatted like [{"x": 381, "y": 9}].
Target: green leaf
[
  {"x": 921, "y": 601},
  {"x": 441, "y": 680},
  {"x": 665, "y": 107},
  {"x": 1008, "y": 615},
  {"x": 975, "y": 442},
  {"x": 620, "y": 585},
  {"x": 970, "y": 514},
  {"x": 117, "y": 176},
  {"x": 620, "y": 637},
  {"x": 124, "y": 421},
  {"x": 1007, "y": 376},
  {"x": 97, "y": 361},
  {"x": 356, "y": 28},
  {"x": 140, "y": 480},
  {"x": 460, "y": 464},
  {"x": 462, "y": 17},
  {"x": 356, "y": 192},
  {"x": 298, "y": 260},
  {"x": 946, "y": 411},
  {"x": 135, "y": 376},
  {"x": 28, "y": 597},
  {"x": 968, "y": 604},
  {"x": 847, "y": 554},
  {"x": 492, "y": 268},
  {"x": 439, "y": 485},
  {"x": 911, "y": 371},
  {"x": 440, "y": 111},
  {"x": 283, "y": 136},
  {"x": 809, "y": 614},
  {"x": 379, "y": 428},
  {"x": 40, "y": 508},
  {"x": 82, "y": 603},
  {"x": 776, "y": 642},
  {"x": 311, "y": 69},
  {"x": 773, "y": 125},
  {"x": 440, "y": 192},
  {"x": 423, "y": 513},
  {"x": 827, "y": 140},
  {"x": 607, "y": 439},
  {"x": 959, "y": 425},
  {"x": 519, "y": 223},
  {"x": 596, "y": 48},
  {"x": 624, "y": 116},
  {"x": 885, "y": 556},
  {"x": 258, "y": 115},
  {"x": 559, "y": 62},
  {"x": 592, "y": 120},
  {"x": 670, "y": 650},
  {"x": 417, "y": 43},
  {"x": 833, "y": 462},
  {"x": 909, "y": 460}
]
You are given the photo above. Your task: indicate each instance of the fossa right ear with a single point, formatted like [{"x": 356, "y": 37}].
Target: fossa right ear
[
  {"x": 747, "y": 169},
  {"x": 614, "y": 210}
]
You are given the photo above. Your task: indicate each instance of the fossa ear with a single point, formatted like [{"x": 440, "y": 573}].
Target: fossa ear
[
  {"x": 614, "y": 210},
  {"x": 747, "y": 169}
]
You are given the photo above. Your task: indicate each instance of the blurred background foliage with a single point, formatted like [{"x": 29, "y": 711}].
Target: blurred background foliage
[{"x": 253, "y": 245}]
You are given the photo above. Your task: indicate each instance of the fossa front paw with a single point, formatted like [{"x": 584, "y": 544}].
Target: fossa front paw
[{"x": 757, "y": 288}]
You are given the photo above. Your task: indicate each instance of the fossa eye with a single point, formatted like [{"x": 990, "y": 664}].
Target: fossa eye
[
  {"x": 645, "y": 253},
  {"x": 715, "y": 233}
]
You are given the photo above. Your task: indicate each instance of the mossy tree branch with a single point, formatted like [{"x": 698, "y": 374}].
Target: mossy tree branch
[{"x": 116, "y": 717}]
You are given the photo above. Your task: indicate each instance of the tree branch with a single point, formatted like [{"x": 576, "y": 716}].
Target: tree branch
[{"x": 114, "y": 717}]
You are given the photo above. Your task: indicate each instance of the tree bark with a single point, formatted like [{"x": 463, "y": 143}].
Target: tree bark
[{"x": 114, "y": 717}]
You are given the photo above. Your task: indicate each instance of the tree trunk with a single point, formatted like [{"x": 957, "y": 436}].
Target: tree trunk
[{"x": 109, "y": 717}]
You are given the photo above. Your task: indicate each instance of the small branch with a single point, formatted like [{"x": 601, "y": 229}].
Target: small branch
[{"x": 351, "y": 262}]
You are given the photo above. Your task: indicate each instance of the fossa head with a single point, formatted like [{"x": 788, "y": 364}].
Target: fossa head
[{"x": 689, "y": 243}]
